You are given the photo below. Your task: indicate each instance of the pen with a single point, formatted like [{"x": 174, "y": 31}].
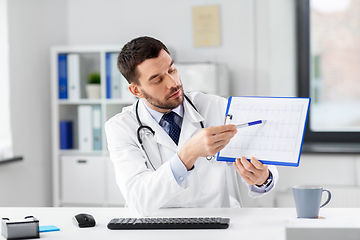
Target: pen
[{"x": 250, "y": 123}]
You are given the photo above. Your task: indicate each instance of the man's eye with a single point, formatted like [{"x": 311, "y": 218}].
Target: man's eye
[
  {"x": 172, "y": 70},
  {"x": 159, "y": 80}
]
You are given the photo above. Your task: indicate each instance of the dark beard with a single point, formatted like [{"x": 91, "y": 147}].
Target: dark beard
[{"x": 163, "y": 104}]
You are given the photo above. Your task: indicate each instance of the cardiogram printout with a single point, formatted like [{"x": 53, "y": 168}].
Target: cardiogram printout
[{"x": 278, "y": 141}]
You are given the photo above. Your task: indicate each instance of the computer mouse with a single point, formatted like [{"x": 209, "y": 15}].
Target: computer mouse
[{"x": 84, "y": 220}]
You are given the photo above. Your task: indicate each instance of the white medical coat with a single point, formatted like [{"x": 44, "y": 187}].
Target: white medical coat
[{"x": 146, "y": 190}]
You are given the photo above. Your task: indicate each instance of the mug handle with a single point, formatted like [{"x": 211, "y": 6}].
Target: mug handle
[{"x": 329, "y": 197}]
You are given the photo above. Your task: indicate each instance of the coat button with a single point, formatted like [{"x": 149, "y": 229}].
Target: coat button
[{"x": 181, "y": 178}]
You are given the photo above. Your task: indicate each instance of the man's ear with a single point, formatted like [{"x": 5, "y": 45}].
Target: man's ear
[{"x": 135, "y": 90}]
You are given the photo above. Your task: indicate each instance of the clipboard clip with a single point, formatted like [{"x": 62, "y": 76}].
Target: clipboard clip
[{"x": 228, "y": 118}]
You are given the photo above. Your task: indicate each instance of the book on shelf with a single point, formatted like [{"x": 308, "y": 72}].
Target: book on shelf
[
  {"x": 62, "y": 74},
  {"x": 89, "y": 127},
  {"x": 124, "y": 92},
  {"x": 66, "y": 134},
  {"x": 116, "y": 84},
  {"x": 69, "y": 76},
  {"x": 85, "y": 128},
  {"x": 96, "y": 123},
  {"x": 73, "y": 76},
  {"x": 113, "y": 76}
]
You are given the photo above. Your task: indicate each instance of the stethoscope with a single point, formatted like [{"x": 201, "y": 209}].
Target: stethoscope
[{"x": 143, "y": 127}]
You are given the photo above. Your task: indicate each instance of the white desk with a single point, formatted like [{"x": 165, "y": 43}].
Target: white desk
[{"x": 245, "y": 223}]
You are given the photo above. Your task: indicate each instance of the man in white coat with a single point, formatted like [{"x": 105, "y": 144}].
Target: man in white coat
[{"x": 160, "y": 145}]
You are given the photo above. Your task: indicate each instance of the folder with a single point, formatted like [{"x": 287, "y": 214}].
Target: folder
[
  {"x": 113, "y": 76},
  {"x": 108, "y": 74},
  {"x": 276, "y": 142},
  {"x": 116, "y": 84},
  {"x": 125, "y": 93},
  {"x": 85, "y": 128},
  {"x": 73, "y": 74},
  {"x": 96, "y": 124},
  {"x": 62, "y": 74},
  {"x": 66, "y": 134}
]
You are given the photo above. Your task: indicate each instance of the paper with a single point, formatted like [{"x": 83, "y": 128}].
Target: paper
[{"x": 278, "y": 141}]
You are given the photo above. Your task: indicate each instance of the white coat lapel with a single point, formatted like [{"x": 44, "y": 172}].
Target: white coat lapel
[
  {"x": 161, "y": 136},
  {"x": 191, "y": 123}
]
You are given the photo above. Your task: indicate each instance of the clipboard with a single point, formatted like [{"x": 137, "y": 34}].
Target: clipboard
[{"x": 276, "y": 142}]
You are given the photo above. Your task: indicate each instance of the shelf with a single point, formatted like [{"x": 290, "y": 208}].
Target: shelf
[
  {"x": 86, "y": 118},
  {"x": 96, "y": 101},
  {"x": 79, "y": 102},
  {"x": 120, "y": 101},
  {"x": 331, "y": 148},
  {"x": 86, "y": 49},
  {"x": 75, "y": 152}
]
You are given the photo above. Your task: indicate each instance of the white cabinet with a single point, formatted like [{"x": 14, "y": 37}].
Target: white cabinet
[
  {"x": 82, "y": 180},
  {"x": 113, "y": 194},
  {"x": 84, "y": 176},
  {"x": 209, "y": 78}
]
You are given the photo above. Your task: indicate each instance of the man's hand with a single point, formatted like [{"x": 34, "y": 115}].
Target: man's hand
[
  {"x": 254, "y": 172},
  {"x": 206, "y": 142}
]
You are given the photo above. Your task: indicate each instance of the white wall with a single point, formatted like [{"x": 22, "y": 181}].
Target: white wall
[
  {"x": 117, "y": 22},
  {"x": 275, "y": 51},
  {"x": 5, "y": 129},
  {"x": 258, "y": 37},
  {"x": 33, "y": 27}
]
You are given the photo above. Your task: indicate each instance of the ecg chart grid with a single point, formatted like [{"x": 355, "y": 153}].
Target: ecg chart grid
[{"x": 279, "y": 138}]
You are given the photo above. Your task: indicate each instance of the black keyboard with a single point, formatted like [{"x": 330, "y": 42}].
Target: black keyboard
[{"x": 169, "y": 223}]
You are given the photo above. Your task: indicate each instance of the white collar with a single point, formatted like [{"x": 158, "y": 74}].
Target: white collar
[{"x": 179, "y": 110}]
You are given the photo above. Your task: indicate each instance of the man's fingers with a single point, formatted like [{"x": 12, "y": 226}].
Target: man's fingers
[
  {"x": 220, "y": 129},
  {"x": 224, "y": 132},
  {"x": 248, "y": 165},
  {"x": 253, "y": 172},
  {"x": 257, "y": 163},
  {"x": 219, "y": 145},
  {"x": 242, "y": 169},
  {"x": 245, "y": 174},
  {"x": 236, "y": 165},
  {"x": 224, "y": 136}
]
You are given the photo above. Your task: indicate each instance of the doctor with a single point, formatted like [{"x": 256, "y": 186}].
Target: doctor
[{"x": 162, "y": 144}]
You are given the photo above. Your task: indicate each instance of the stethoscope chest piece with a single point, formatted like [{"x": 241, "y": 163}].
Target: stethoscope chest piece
[{"x": 211, "y": 159}]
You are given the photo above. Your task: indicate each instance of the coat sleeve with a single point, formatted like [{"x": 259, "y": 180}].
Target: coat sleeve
[{"x": 144, "y": 190}]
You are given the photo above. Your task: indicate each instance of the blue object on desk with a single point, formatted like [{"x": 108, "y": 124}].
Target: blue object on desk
[{"x": 48, "y": 228}]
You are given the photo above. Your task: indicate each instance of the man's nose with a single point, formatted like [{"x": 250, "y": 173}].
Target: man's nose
[{"x": 170, "y": 81}]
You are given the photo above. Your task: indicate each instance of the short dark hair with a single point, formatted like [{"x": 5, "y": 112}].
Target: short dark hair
[{"x": 134, "y": 53}]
